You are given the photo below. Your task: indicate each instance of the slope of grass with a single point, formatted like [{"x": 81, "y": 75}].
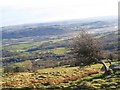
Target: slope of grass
[
  {"x": 50, "y": 76},
  {"x": 65, "y": 77}
]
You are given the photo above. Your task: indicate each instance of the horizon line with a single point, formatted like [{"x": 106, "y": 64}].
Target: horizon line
[{"x": 55, "y": 21}]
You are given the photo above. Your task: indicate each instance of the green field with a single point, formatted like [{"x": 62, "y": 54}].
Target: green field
[{"x": 60, "y": 51}]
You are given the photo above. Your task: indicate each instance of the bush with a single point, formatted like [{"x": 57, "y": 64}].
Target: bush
[{"x": 86, "y": 49}]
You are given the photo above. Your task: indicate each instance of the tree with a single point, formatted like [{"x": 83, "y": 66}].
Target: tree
[{"x": 86, "y": 49}]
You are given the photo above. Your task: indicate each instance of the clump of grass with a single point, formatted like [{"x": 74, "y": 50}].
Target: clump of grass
[
  {"x": 98, "y": 81},
  {"x": 86, "y": 85}
]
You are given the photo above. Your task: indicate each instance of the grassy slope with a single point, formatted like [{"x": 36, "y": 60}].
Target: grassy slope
[
  {"x": 50, "y": 75},
  {"x": 62, "y": 77}
]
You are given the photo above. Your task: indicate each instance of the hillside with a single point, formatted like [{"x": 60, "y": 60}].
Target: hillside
[
  {"x": 62, "y": 78},
  {"x": 38, "y": 56}
]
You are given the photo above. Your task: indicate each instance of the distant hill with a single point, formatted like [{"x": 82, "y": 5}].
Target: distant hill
[
  {"x": 55, "y": 28},
  {"x": 29, "y": 32}
]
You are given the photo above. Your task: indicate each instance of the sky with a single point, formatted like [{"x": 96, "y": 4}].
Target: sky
[{"x": 13, "y": 12}]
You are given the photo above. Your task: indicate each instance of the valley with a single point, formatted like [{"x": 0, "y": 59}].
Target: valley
[{"x": 39, "y": 55}]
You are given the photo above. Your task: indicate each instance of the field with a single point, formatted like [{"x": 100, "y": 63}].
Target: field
[{"x": 65, "y": 77}]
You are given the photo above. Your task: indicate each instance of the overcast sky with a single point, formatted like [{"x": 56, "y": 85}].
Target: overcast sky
[{"x": 34, "y": 11}]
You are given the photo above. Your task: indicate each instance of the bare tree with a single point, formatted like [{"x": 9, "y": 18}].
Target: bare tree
[{"x": 86, "y": 49}]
